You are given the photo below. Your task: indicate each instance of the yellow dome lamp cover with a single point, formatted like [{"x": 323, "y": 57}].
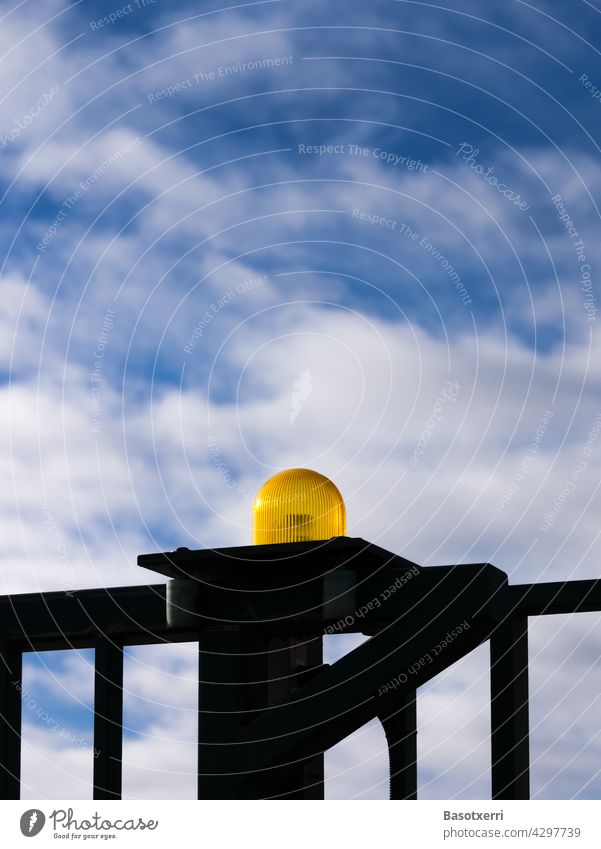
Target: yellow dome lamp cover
[{"x": 298, "y": 505}]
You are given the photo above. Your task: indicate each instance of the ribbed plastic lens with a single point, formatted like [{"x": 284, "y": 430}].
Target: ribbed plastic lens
[{"x": 296, "y": 506}]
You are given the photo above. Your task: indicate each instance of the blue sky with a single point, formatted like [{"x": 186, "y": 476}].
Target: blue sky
[{"x": 201, "y": 208}]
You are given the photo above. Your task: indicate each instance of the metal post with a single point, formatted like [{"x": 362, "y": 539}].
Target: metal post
[
  {"x": 510, "y": 751},
  {"x": 11, "y": 663},
  {"x": 108, "y": 719},
  {"x": 242, "y": 673},
  {"x": 399, "y": 720}
]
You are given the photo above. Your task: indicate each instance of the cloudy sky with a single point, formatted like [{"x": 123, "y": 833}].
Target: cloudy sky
[{"x": 360, "y": 238}]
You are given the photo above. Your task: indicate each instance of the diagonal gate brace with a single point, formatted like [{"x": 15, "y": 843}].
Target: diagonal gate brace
[{"x": 447, "y": 612}]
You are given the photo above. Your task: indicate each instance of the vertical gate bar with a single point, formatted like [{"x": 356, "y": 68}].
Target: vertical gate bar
[
  {"x": 399, "y": 721},
  {"x": 221, "y": 697},
  {"x": 11, "y": 665},
  {"x": 240, "y": 674},
  {"x": 302, "y": 658},
  {"x": 108, "y": 719},
  {"x": 510, "y": 745}
]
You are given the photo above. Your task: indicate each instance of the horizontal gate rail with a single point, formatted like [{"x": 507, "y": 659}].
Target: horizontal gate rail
[
  {"x": 558, "y": 597},
  {"x": 63, "y": 620}
]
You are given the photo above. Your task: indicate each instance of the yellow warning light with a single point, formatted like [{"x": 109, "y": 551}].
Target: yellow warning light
[{"x": 298, "y": 505}]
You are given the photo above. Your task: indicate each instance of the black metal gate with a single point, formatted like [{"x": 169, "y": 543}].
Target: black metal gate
[{"x": 268, "y": 706}]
